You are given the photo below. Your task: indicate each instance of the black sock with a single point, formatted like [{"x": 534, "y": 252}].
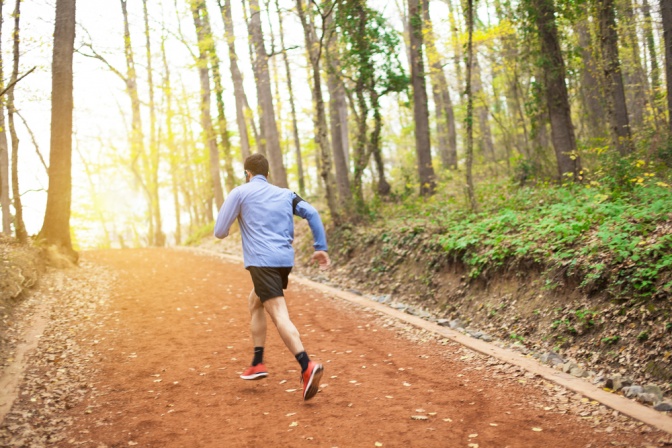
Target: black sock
[
  {"x": 258, "y": 355},
  {"x": 303, "y": 360}
]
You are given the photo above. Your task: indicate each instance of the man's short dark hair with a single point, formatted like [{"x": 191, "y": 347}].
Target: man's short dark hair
[{"x": 257, "y": 164}]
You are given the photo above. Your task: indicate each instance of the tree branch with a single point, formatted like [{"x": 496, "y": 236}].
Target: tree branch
[
  {"x": 32, "y": 136},
  {"x": 13, "y": 83}
]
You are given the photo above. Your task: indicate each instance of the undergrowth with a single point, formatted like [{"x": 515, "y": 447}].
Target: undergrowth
[{"x": 604, "y": 237}]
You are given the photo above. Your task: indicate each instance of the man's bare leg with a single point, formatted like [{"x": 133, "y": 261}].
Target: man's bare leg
[
  {"x": 277, "y": 309},
  {"x": 257, "y": 320}
]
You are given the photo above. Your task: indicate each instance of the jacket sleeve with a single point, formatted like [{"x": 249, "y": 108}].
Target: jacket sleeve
[
  {"x": 307, "y": 211},
  {"x": 227, "y": 214}
]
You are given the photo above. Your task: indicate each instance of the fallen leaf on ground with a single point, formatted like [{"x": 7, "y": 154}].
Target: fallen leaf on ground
[
  {"x": 536, "y": 429},
  {"x": 291, "y": 425},
  {"x": 419, "y": 417}
]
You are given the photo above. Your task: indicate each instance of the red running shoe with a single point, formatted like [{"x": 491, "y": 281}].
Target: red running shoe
[
  {"x": 254, "y": 372},
  {"x": 311, "y": 379}
]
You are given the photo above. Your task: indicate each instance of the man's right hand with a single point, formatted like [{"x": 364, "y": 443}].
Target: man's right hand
[{"x": 322, "y": 258}]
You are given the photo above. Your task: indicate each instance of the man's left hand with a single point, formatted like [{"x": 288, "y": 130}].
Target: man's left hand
[{"x": 322, "y": 258}]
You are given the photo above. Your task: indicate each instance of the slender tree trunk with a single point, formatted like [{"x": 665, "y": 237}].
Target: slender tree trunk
[
  {"x": 650, "y": 43},
  {"x": 470, "y": 108},
  {"x": 158, "y": 238},
  {"x": 262, "y": 75},
  {"x": 290, "y": 89},
  {"x": 481, "y": 109},
  {"x": 593, "y": 112},
  {"x": 206, "y": 119},
  {"x": 456, "y": 29},
  {"x": 339, "y": 128},
  {"x": 617, "y": 110},
  {"x": 634, "y": 74},
  {"x": 237, "y": 78},
  {"x": 19, "y": 226},
  {"x": 173, "y": 157},
  {"x": 420, "y": 109},
  {"x": 557, "y": 98},
  {"x": 222, "y": 125},
  {"x": 384, "y": 187},
  {"x": 666, "y": 13},
  {"x": 4, "y": 152},
  {"x": 56, "y": 227},
  {"x": 139, "y": 160},
  {"x": 445, "y": 117},
  {"x": 314, "y": 49}
]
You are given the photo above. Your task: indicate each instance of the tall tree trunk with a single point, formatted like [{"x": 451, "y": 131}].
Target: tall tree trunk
[
  {"x": 384, "y": 187},
  {"x": 209, "y": 136},
  {"x": 262, "y": 76},
  {"x": 420, "y": 108},
  {"x": 650, "y": 43},
  {"x": 173, "y": 157},
  {"x": 635, "y": 77},
  {"x": 237, "y": 78},
  {"x": 593, "y": 112},
  {"x": 557, "y": 98},
  {"x": 138, "y": 154},
  {"x": 481, "y": 109},
  {"x": 513, "y": 76},
  {"x": 290, "y": 90},
  {"x": 314, "y": 48},
  {"x": 445, "y": 117},
  {"x": 19, "y": 226},
  {"x": 666, "y": 13},
  {"x": 470, "y": 108},
  {"x": 56, "y": 227},
  {"x": 158, "y": 238},
  {"x": 222, "y": 125},
  {"x": 339, "y": 127},
  {"x": 617, "y": 110},
  {"x": 4, "y": 153}
]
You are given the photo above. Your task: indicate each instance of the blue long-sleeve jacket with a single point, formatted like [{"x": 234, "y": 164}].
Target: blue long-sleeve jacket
[{"x": 265, "y": 214}]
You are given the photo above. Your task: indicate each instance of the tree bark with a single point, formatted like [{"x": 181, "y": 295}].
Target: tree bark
[
  {"x": 666, "y": 13},
  {"x": 593, "y": 112},
  {"x": 290, "y": 89},
  {"x": 471, "y": 196},
  {"x": 617, "y": 110},
  {"x": 209, "y": 136},
  {"x": 4, "y": 153},
  {"x": 338, "y": 119},
  {"x": 420, "y": 108},
  {"x": 445, "y": 117},
  {"x": 19, "y": 227},
  {"x": 481, "y": 109},
  {"x": 262, "y": 75},
  {"x": 222, "y": 125},
  {"x": 650, "y": 44},
  {"x": 634, "y": 75},
  {"x": 557, "y": 98},
  {"x": 237, "y": 78},
  {"x": 158, "y": 238},
  {"x": 56, "y": 227},
  {"x": 171, "y": 145},
  {"x": 314, "y": 48}
]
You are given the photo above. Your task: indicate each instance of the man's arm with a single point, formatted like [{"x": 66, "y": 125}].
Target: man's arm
[
  {"x": 308, "y": 212},
  {"x": 227, "y": 214}
]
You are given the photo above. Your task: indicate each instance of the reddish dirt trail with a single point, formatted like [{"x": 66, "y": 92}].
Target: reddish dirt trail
[{"x": 176, "y": 338}]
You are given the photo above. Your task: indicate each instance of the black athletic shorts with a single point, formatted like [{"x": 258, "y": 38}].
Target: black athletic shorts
[{"x": 269, "y": 282}]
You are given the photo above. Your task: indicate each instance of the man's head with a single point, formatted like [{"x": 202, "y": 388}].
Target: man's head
[{"x": 256, "y": 164}]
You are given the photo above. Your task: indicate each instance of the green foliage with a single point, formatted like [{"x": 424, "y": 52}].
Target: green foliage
[
  {"x": 201, "y": 233},
  {"x": 603, "y": 237},
  {"x": 611, "y": 340}
]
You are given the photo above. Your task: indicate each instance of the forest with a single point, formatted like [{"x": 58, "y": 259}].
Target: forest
[{"x": 526, "y": 131}]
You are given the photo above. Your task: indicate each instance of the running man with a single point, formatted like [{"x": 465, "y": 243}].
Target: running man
[{"x": 265, "y": 214}]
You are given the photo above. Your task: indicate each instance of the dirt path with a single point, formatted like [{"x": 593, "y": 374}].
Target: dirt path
[{"x": 175, "y": 338}]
